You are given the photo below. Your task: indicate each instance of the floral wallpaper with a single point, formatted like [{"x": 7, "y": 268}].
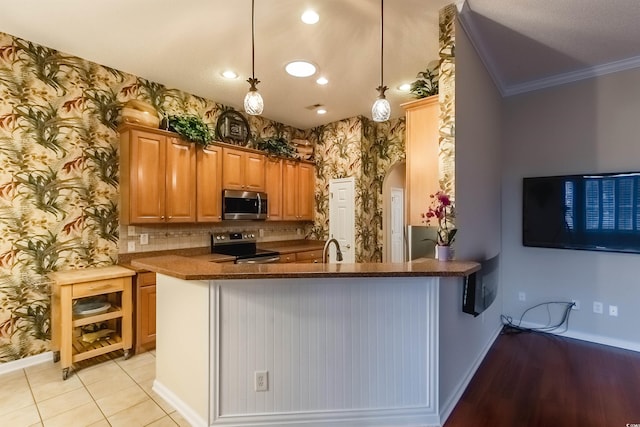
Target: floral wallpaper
[
  {"x": 359, "y": 148},
  {"x": 447, "y": 98},
  {"x": 59, "y": 174}
]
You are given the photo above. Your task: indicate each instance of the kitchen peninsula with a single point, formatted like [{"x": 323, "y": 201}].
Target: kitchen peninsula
[{"x": 300, "y": 344}]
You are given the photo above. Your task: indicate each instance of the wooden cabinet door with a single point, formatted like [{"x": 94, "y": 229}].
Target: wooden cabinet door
[
  {"x": 146, "y": 177},
  {"x": 233, "y": 162},
  {"x": 422, "y": 174},
  {"x": 273, "y": 187},
  {"x": 254, "y": 172},
  {"x": 289, "y": 190},
  {"x": 146, "y": 312},
  {"x": 180, "y": 173},
  {"x": 306, "y": 195},
  {"x": 209, "y": 184}
]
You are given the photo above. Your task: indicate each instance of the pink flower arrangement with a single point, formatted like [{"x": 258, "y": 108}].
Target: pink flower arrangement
[{"x": 442, "y": 212}]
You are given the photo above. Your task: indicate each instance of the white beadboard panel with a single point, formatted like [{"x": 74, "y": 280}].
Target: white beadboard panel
[{"x": 340, "y": 345}]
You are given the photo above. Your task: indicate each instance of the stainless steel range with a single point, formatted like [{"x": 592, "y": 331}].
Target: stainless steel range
[{"x": 242, "y": 245}]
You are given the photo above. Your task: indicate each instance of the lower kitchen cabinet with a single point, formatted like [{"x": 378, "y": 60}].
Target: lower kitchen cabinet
[
  {"x": 287, "y": 258},
  {"x": 309, "y": 256},
  {"x": 303, "y": 257},
  {"x": 145, "y": 312}
]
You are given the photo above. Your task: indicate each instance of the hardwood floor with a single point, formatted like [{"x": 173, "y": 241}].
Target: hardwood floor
[{"x": 531, "y": 379}]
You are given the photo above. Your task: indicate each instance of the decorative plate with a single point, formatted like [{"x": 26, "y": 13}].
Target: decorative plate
[
  {"x": 84, "y": 308},
  {"x": 233, "y": 128}
]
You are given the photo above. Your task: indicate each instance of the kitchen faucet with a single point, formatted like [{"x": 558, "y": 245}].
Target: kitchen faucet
[{"x": 338, "y": 251}]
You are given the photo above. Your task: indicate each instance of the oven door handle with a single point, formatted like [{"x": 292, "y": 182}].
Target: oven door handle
[{"x": 264, "y": 260}]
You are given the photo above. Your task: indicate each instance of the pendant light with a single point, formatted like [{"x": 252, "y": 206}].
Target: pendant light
[
  {"x": 253, "y": 103},
  {"x": 381, "y": 109}
]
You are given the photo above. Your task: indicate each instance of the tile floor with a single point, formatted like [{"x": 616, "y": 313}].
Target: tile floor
[{"x": 104, "y": 391}]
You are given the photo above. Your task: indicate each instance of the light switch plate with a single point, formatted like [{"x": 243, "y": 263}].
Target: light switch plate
[{"x": 131, "y": 246}]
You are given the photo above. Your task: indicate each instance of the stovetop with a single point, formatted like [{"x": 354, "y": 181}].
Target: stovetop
[{"x": 239, "y": 244}]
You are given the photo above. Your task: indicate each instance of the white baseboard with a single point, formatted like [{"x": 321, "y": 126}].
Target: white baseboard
[
  {"x": 373, "y": 418},
  {"x": 14, "y": 365},
  {"x": 583, "y": 336},
  {"x": 405, "y": 417},
  {"x": 185, "y": 410},
  {"x": 447, "y": 408}
]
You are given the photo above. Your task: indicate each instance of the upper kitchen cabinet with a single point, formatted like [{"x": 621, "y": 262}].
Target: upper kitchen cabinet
[
  {"x": 297, "y": 190},
  {"x": 274, "y": 188},
  {"x": 209, "y": 184},
  {"x": 157, "y": 177},
  {"x": 243, "y": 170},
  {"x": 422, "y": 155}
]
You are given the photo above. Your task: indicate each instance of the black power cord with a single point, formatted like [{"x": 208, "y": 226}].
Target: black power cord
[{"x": 511, "y": 327}]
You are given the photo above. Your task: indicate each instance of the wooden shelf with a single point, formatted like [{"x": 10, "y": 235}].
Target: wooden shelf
[
  {"x": 113, "y": 313},
  {"x": 83, "y": 350}
]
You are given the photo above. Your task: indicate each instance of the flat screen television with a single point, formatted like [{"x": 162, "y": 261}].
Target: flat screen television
[{"x": 597, "y": 212}]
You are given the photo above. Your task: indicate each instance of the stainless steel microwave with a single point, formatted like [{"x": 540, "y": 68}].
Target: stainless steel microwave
[{"x": 238, "y": 204}]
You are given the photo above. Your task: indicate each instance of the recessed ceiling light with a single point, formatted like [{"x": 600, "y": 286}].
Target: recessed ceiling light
[
  {"x": 405, "y": 87},
  {"x": 321, "y": 111},
  {"x": 300, "y": 68},
  {"x": 322, "y": 81},
  {"x": 310, "y": 17},
  {"x": 229, "y": 74}
]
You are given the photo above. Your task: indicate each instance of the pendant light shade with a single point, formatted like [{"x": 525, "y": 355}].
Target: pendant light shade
[
  {"x": 253, "y": 104},
  {"x": 381, "y": 110}
]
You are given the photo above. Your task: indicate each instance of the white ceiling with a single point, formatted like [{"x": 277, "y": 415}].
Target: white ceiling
[
  {"x": 532, "y": 44},
  {"x": 525, "y": 44}
]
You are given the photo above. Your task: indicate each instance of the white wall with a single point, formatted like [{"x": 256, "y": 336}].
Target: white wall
[
  {"x": 584, "y": 127},
  {"x": 463, "y": 338}
]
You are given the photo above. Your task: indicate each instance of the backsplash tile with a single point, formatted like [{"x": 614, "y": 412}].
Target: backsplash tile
[{"x": 182, "y": 236}]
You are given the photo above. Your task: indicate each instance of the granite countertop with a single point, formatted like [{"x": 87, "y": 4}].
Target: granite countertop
[{"x": 194, "y": 268}]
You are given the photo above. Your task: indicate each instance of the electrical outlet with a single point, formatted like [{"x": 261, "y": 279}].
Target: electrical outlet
[
  {"x": 522, "y": 296},
  {"x": 597, "y": 307},
  {"x": 144, "y": 239},
  {"x": 131, "y": 230},
  {"x": 613, "y": 310},
  {"x": 576, "y": 304},
  {"x": 261, "y": 232},
  {"x": 261, "y": 382},
  {"x": 131, "y": 246}
]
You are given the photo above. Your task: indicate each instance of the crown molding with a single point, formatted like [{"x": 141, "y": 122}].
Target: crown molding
[
  {"x": 468, "y": 25},
  {"x": 573, "y": 76}
]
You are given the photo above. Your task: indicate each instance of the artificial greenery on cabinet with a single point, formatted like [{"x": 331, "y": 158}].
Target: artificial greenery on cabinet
[
  {"x": 426, "y": 85},
  {"x": 191, "y": 128},
  {"x": 277, "y": 146}
]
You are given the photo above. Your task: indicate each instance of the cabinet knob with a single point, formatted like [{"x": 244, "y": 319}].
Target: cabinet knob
[{"x": 162, "y": 217}]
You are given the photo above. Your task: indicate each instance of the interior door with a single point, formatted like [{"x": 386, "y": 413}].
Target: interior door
[
  {"x": 397, "y": 225},
  {"x": 342, "y": 219}
]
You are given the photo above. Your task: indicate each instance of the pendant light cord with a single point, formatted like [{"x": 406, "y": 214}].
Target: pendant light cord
[
  {"x": 253, "y": 49},
  {"x": 381, "y": 42}
]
